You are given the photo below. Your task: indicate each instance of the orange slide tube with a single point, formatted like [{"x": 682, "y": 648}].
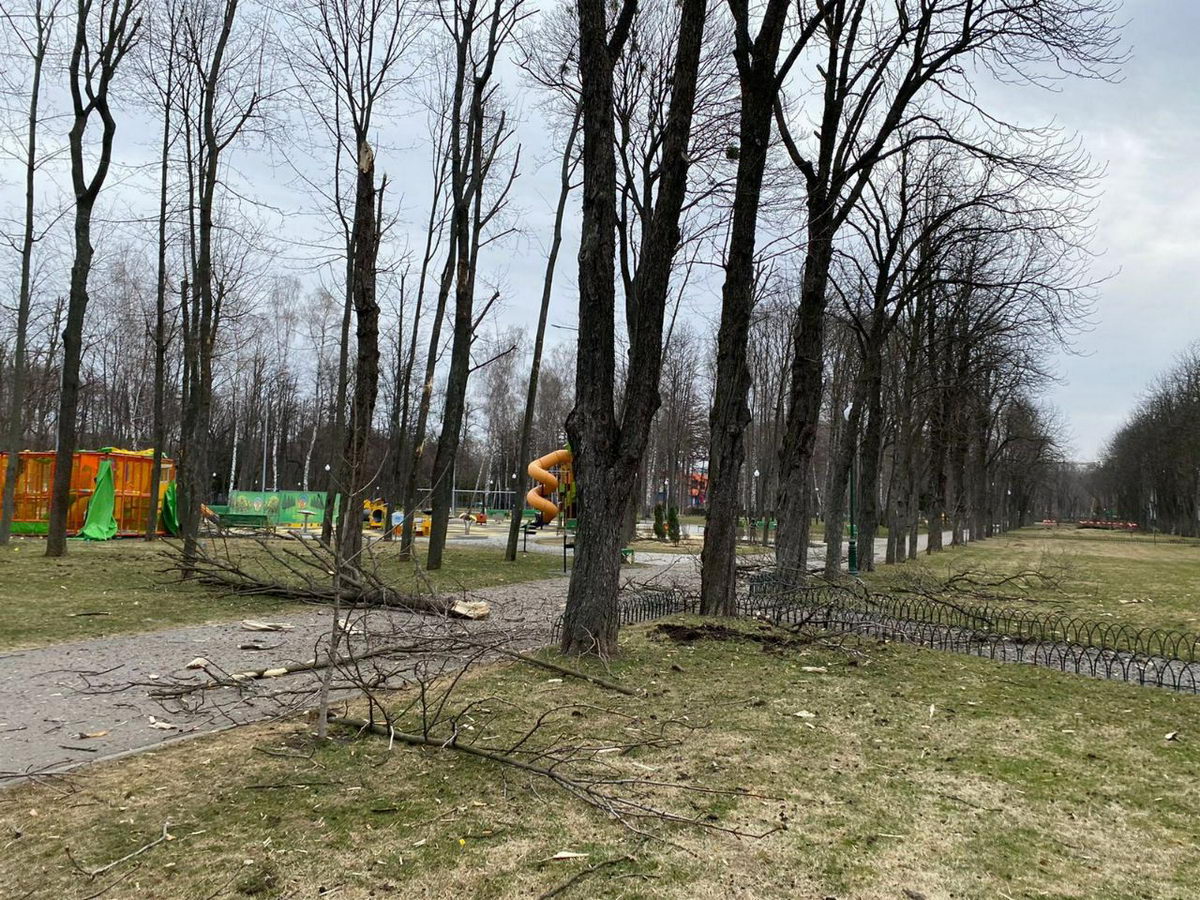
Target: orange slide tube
[{"x": 538, "y": 498}]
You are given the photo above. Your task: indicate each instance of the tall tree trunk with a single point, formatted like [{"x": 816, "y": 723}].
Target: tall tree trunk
[
  {"x": 160, "y": 314},
  {"x": 841, "y": 461},
  {"x": 92, "y": 67},
  {"x": 804, "y": 392},
  {"x": 730, "y": 414},
  {"x": 608, "y": 453},
  {"x": 16, "y": 406},
  {"x": 418, "y": 438},
  {"x": 337, "y": 467},
  {"x": 870, "y": 457},
  {"x": 68, "y": 404},
  {"x": 366, "y": 371},
  {"x": 198, "y": 411}
]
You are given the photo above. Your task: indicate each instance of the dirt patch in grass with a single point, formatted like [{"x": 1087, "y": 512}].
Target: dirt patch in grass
[{"x": 685, "y": 633}]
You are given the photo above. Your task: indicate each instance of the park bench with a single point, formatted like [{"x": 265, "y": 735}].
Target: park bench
[{"x": 261, "y": 521}]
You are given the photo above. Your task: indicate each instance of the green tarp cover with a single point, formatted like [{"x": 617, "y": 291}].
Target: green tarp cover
[
  {"x": 99, "y": 524},
  {"x": 170, "y": 509}
]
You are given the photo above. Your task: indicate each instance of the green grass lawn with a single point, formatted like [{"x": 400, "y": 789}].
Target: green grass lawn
[
  {"x": 1099, "y": 575},
  {"x": 99, "y": 589},
  {"x": 898, "y": 772}
]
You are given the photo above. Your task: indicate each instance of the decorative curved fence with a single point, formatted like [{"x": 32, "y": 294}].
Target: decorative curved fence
[
  {"x": 1119, "y": 652},
  {"x": 1016, "y": 624}
]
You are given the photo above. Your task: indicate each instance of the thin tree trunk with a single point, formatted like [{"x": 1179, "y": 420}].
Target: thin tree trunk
[
  {"x": 16, "y": 408},
  {"x": 160, "y": 313},
  {"x": 535, "y": 365}
]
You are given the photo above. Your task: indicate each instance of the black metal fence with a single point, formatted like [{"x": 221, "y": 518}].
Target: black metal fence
[
  {"x": 1017, "y": 624},
  {"x": 1113, "y": 650},
  {"x": 1110, "y": 650}
]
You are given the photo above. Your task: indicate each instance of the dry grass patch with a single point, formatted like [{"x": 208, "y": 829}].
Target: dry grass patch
[
  {"x": 1097, "y": 575},
  {"x": 117, "y": 587},
  {"x": 893, "y": 769}
]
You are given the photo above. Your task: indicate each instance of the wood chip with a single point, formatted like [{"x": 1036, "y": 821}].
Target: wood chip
[{"x": 255, "y": 625}]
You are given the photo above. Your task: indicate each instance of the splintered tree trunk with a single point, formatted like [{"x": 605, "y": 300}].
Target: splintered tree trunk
[{"x": 366, "y": 371}]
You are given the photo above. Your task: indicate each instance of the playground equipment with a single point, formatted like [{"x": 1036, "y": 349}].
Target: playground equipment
[
  {"x": 374, "y": 512},
  {"x": 118, "y": 481},
  {"x": 539, "y": 471}
]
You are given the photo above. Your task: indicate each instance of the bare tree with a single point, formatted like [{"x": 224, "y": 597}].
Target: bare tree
[
  {"x": 356, "y": 50},
  {"x": 869, "y": 67},
  {"x": 159, "y": 71},
  {"x": 228, "y": 82},
  {"x": 609, "y": 447},
  {"x": 105, "y": 31},
  {"x": 760, "y": 76},
  {"x": 36, "y": 44},
  {"x": 478, "y": 135}
]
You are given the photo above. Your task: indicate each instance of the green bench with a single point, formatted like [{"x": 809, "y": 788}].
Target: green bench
[{"x": 248, "y": 520}]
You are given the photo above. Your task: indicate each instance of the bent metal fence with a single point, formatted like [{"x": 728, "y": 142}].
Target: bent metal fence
[{"x": 1109, "y": 650}]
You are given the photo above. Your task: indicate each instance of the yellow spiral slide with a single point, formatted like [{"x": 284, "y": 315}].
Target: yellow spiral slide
[{"x": 539, "y": 471}]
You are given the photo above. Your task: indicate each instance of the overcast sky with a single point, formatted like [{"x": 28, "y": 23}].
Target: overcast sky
[{"x": 1144, "y": 129}]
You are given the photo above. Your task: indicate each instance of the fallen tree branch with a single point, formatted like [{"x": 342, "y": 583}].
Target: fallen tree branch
[
  {"x": 92, "y": 873},
  {"x": 584, "y": 873},
  {"x": 358, "y": 588},
  {"x": 588, "y": 790},
  {"x": 566, "y": 670}
]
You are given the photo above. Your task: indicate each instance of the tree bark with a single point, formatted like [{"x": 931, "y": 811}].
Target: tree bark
[
  {"x": 89, "y": 83},
  {"x": 730, "y": 414},
  {"x": 804, "y": 393},
  {"x": 608, "y": 453},
  {"x": 365, "y": 242},
  {"x": 160, "y": 313}
]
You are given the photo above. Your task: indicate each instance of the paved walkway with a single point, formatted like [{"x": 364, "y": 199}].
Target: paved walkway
[{"x": 51, "y": 696}]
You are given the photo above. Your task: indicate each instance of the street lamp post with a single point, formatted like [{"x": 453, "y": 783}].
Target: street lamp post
[
  {"x": 852, "y": 554},
  {"x": 756, "y": 498}
]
